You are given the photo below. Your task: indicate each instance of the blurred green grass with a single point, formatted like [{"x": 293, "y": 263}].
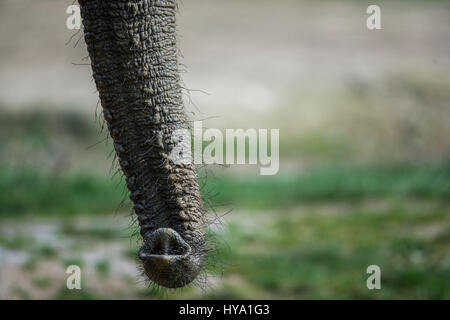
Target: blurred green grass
[
  {"x": 336, "y": 183},
  {"x": 322, "y": 253},
  {"x": 31, "y": 191},
  {"x": 28, "y": 190}
]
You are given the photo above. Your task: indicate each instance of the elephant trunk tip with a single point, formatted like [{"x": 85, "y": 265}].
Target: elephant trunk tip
[{"x": 169, "y": 260}]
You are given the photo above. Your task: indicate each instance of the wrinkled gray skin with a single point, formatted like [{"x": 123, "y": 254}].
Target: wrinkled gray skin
[{"x": 133, "y": 51}]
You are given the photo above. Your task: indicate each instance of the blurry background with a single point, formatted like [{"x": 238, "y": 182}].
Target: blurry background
[{"x": 364, "y": 149}]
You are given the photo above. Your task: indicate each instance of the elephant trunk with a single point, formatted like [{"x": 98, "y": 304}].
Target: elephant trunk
[{"x": 133, "y": 51}]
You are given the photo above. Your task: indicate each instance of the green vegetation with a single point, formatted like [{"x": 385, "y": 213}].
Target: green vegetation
[
  {"x": 29, "y": 191},
  {"x": 42, "y": 282},
  {"x": 77, "y": 261},
  {"x": 320, "y": 252},
  {"x": 92, "y": 231},
  {"x": 47, "y": 251},
  {"x": 15, "y": 242},
  {"x": 338, "y": 183},
  {"x": 103, "y": 267}
]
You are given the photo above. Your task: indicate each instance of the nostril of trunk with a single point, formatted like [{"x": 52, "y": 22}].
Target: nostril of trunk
[
  {"x": 168, "y": 259},
  {"x": 164, "y": 242}
]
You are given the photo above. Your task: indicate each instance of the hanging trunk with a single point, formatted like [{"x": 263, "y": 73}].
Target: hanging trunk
[{"x": 133, "y": 51}]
